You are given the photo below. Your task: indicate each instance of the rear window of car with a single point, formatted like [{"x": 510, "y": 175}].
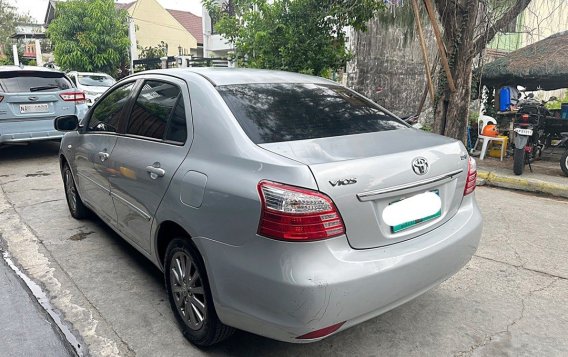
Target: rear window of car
[
  {"x": 33, "y": 81},
  {"x": 95, "y": 80},
  {"x": 285, "y": 112}
]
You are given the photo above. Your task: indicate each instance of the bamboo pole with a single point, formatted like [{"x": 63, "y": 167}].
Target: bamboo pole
[
  {"x": 441, "y": 47},
  {"x": 424, "y": 51}
]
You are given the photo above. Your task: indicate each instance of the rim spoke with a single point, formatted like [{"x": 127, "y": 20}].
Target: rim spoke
[
  {"x": 196, "y": 313},
  {"x": 198, "y": 304},
  {"x": 197, "y": 290},
  {"x": 181, "y": 271},
  {"x": 190, "y": 314},
  {"x": 176, "y": 276}
]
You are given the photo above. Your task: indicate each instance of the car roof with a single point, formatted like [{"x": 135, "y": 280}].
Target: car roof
[
  {"x": 11, "y": 68},
  {"x": 229, "y": 76}
]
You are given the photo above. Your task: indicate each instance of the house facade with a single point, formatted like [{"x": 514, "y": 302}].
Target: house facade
[
  {"x": 155, "y": 24},
  {"x": 181, "y": 31},
  {"x": 214, "y": 45}
]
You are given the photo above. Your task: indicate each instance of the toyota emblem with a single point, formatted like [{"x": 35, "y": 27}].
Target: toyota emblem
[{"x": 420, "y": 166}]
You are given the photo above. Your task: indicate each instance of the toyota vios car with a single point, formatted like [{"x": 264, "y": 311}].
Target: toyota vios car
[
  {"x": 30, "y": 98},
  {"x": 277, "y": 203}
]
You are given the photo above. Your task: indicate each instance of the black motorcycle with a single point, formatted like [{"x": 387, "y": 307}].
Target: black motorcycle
[{"x": 529, "y": 131}]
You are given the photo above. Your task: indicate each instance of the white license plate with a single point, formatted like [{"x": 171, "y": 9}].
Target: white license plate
[
  {"x": 34, "y": 108},
  {"x": 527, "y": 132},
  {"x": 408, "y": 212}
]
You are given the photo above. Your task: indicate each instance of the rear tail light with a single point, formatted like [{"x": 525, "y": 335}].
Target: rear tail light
[
  {"x": 1, "y": 98},
  {"x": 77, "y": 97},
  {"x": 471, "y": 177},
  {"x": 525, "y": 118},
  {"x": 297, "y": 214}
]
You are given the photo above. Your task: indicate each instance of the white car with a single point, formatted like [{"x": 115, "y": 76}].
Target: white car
[{"x": 92, "y": 84}]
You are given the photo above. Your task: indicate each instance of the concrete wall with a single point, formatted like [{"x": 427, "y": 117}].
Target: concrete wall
[
  {"x": 382, "y": 59},
  {"x": 154, "y": 24}
]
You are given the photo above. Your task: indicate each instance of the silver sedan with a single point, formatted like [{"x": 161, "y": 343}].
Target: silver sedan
[{"x": 277, "y": 203}]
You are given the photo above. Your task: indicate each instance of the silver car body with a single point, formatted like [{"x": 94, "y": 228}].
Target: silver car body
[
  {"x": 17, "y": 124},
  {"x": 273, "y": 288}
]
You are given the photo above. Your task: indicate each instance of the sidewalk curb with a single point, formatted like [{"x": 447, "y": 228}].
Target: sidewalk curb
[{"x": 523, "y": 184}]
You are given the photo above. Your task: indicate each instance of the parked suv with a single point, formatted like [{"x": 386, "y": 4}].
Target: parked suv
[
  {"x": 277, "y": 203},
  {"x": 92, "y": 84},
  {"x": 30, "y": 98}
]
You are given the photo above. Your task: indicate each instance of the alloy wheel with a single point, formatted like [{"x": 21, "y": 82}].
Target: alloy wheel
[{"x": 188, "y": 291}]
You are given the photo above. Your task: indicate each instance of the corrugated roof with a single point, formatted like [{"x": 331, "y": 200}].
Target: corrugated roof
[{"x": 191, "y": 22}]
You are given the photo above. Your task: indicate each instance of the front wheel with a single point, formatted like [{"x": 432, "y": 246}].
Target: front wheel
[
  {"x": 190, "y": 297},
  {"x": 519, "y": 161},
  {"x": 564, "y": 162}
]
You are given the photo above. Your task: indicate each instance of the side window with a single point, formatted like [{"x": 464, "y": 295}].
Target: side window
[
  {"x": 106, "y": 114},
  {"x": 158, "y": 112}
]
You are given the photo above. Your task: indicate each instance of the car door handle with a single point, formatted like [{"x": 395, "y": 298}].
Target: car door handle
[
  {"x": 103, "y": 156},
  {"x": 155, "y": 172}
]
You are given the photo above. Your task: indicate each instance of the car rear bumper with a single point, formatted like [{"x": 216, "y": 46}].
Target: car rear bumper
[
  {"x": 27, "y": 137},
  {"x": 14, "y": 131},
  {"x": 283, "y": 290}
]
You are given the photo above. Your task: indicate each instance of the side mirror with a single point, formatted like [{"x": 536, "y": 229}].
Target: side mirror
[{"x": 66, "y": 123}]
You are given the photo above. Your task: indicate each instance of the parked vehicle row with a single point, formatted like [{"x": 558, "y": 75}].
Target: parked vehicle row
[
  {"x": 31, "y": 97},
  {"x": 277, "y": 203}
]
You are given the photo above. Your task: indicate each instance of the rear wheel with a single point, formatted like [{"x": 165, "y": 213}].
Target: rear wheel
[
  {"x": 190, "y": 297},
  {"x": 564, "y": 162},
  {"x": 519, "y": 161},
  {"x": 74, "y": 202}
]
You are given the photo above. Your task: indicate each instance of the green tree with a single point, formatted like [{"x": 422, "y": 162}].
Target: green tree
[
  {"x": 305, "y": 36},
  {"x": 89, "y": 35}
]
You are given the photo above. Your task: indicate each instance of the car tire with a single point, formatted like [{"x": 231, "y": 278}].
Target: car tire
[
  {"x": 76, "y": 207},
  {"x": 519, "y": 161},
  {"x": 190, "y": 296},
  {"x": 564, "y": 162}
]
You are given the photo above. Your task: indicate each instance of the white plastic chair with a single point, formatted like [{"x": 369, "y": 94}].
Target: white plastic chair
[{"x": 482, "y": 122}]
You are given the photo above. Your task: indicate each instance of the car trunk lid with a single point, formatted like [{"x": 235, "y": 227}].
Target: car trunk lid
[{"x": 366, "y": 173}]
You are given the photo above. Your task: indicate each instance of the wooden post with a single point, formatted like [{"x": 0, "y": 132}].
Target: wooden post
[
  {"x": 424, "y": 50},
  {"x": 441, "y": 47}
]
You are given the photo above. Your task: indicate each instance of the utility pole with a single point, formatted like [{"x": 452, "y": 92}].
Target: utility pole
[{"x": 133, "y": 49}]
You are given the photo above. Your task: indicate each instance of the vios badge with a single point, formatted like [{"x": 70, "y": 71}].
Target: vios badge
[{"x": 420, "y": 166}]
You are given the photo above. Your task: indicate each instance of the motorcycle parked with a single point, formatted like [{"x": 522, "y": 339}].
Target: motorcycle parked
[{"x": 529, "y": 132}]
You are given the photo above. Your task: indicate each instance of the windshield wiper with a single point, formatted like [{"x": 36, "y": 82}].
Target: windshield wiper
[{"x": 36, "y": 89}]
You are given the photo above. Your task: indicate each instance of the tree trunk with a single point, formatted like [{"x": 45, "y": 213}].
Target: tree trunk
[
  {"x": 451, "y": 109},
  {"x": 459, "y": 19}
]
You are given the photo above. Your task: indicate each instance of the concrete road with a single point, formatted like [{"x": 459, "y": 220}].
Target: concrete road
[
  {"x": 511, "y": 299},
  {"x": 26, "y": 328}
]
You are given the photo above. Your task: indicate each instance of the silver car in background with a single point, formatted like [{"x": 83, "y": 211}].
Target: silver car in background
[
  {"x": 92, "y": 84},
  {"x": 30, "y": 98},
  {"x": 277, "y": 203}
]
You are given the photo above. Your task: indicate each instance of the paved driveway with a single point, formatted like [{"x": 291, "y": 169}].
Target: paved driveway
[{"x": 511, "y": 299}]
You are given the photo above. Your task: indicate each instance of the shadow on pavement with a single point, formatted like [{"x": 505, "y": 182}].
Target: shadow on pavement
[{"x": 35, "y": 150}]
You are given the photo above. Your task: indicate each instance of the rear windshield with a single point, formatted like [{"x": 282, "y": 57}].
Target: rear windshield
[
  {"x": 95, "y": 80},
  {"x": 33, "y": 81},
  {"x": 285, "y": 112}
]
